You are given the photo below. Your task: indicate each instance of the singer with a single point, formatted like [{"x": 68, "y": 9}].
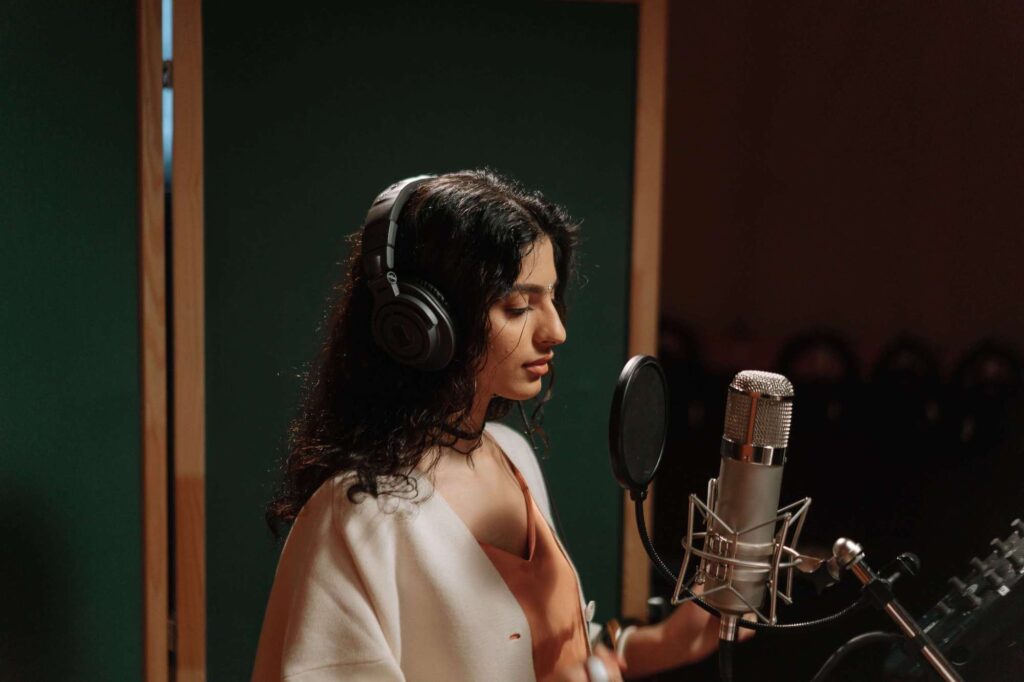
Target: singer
[{"x": 421, "y": 545}]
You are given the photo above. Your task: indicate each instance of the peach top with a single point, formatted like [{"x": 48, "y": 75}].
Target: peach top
[{"x": 544, "y": 584}]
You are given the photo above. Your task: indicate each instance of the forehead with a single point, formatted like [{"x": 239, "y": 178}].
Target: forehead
[{"x": 538, "y": 266}]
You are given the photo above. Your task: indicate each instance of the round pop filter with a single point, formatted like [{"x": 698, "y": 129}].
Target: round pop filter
[{"x": 638, "y": 423}]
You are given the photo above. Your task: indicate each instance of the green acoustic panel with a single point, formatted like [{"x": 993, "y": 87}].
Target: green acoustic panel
[
  {"x": 70, "y": 563},
  {"x": 310, "y": 110}
]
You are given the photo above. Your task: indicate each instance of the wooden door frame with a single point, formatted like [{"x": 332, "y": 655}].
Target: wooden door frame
[
  {"x": 189, "y": 380},
  {"x": 153, "y": 342},
  {"x": 180, "y": 627}
]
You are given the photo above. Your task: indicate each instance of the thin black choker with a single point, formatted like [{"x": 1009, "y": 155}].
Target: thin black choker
[
  {"x": 460, "y": 434},
  {"x": 467, "y": 453}
]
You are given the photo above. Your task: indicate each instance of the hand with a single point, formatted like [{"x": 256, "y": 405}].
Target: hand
[
  {"x": 577, "y": 672},
  {"x": 689, "y": 635}
]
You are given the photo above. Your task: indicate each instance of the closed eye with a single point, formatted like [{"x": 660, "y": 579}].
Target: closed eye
[{"x": 516, "y": 312}]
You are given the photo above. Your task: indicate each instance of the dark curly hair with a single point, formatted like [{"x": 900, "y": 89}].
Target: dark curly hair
[{"x": 364, "y": 414}]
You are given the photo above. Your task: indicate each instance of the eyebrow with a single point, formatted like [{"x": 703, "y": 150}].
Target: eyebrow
[{"x": 533, "y": 288}]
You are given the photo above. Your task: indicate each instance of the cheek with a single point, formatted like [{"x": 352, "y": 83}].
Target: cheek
[
  {"x": 506, "y": 336},
  {"x": 501, "y": 344}
]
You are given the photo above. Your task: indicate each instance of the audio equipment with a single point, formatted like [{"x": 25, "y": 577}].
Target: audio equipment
[
  {"x": 742, "y": 548},
  {"x": 848, "y": 555},
  {"x": 410, "y": 319},
  {"x": 979, "y": 624}
]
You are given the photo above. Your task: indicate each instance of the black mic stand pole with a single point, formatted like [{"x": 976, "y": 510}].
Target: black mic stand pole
[{"x": 848, "y": 554}]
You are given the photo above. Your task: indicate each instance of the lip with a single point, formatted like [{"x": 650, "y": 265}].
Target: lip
[{"x": 537, "y": 370}]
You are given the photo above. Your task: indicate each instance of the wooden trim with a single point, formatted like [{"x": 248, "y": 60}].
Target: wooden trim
[
  {"x": 153, "y": 332},
  {"x": 189, "y": 361},
  {"x": 645, "y": 265}
]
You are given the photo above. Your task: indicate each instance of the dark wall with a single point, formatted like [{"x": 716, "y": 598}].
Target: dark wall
[
  {"x": 69, "y": 336},
  {"x": 310, "y": 112},
  {"x": 851, "y": 165}
]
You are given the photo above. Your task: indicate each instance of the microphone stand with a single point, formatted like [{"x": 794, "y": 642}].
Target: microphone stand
[{"x": 848, "y": 554}]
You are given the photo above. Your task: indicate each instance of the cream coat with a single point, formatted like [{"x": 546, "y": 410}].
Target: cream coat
[{"x": 388, "y": 589}]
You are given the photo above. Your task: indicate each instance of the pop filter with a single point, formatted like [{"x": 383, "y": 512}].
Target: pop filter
[{"x": 638, "y": 423}]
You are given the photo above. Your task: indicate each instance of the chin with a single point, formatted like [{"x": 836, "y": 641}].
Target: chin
[{"x": 524, "y": 391}]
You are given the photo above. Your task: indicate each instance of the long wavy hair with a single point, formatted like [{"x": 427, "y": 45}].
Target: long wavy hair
[{"x": 364, "y": 414}]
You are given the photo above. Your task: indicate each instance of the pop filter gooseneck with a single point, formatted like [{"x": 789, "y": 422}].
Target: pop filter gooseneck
[{"x": 638, "y": 424}]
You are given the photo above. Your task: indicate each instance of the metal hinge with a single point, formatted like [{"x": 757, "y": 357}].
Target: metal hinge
[{"x": 168, "y": 74}]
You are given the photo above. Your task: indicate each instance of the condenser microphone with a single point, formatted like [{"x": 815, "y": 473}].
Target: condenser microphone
[{"x": 741, "y": 547}]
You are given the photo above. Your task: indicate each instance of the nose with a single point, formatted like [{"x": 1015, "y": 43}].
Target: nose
[{"x": 550, "y": 331}]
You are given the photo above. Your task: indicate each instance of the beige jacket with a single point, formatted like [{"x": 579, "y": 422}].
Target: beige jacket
[{"x": 388, "y": 589}]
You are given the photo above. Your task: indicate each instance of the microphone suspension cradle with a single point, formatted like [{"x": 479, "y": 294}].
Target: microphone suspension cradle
[{"x": 726, "y": 559}]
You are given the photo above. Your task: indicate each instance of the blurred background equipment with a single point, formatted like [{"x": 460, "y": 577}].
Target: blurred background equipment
[
  {"x": 984, "y": 384},
  {"x": 906, "y": 387},
  {"x": 979, "y": 623}
]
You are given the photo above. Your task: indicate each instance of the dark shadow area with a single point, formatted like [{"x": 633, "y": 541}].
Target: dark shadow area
[{"x": 37, "y": 635}]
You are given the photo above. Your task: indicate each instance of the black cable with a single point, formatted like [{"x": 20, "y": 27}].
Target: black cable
[
  {"x": 725, "y": 650},
  {"x": 527, "y": 426},
  {"x": 666, "y": 572},
  {"x": 857, "y": 642}
]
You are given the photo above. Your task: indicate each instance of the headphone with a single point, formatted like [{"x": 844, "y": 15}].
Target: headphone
[{"x": 410, "y": 319}]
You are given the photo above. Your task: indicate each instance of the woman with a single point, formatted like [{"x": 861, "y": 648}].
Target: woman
[{"x": 421, "y": 545}]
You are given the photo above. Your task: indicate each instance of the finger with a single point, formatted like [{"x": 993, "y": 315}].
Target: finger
[
  {"x": 610, "y": 661},
  {"x": 747, "y": 633},
  {"x": 605, "y": 654}
]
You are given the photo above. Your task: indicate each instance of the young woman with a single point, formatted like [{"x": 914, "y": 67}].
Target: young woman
[{"x": 421, "y": 545}]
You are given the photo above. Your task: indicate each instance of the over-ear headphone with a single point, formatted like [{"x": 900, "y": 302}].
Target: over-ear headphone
[{"x": 410, "y": 319}]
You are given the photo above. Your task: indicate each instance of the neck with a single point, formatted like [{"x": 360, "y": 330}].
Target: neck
[{"x": 474, "y": 423}]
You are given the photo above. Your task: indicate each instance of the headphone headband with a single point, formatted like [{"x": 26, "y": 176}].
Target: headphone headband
[{"x": 380, "y": 231}]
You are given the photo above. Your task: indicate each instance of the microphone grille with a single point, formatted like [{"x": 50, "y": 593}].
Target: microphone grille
[
  {"x": 765, "y": 383},
  {"x": 774, "y": 409}
]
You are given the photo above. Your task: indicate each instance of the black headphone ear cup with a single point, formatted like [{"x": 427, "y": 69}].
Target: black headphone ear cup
[{"x": 415, "y": 328}]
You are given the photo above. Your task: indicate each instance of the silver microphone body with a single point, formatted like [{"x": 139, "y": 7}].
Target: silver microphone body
[{"x": 746, "y": 495}]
